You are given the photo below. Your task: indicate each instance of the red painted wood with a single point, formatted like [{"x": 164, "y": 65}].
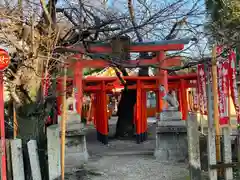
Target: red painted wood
[
  {"x": 144, "y": 111},
  {"x": 180, "y": 100},
  {"x": 135, "y": 48},
  {"x": 4, "y": 59},
  {"x": 138, "y": 109},
  {"x": 78, "y": 86},
  {"x": 184, "y": 99},
  {"x": 99, "y": 63},
  {"x": 2, "y": 124},
  {"x": 104, "y": 110},
  {"x": 98, "y": 112}
]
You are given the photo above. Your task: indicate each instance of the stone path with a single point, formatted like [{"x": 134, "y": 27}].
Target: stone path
[
  {"x": 136, "y": 167},
  {"x": 126, "y": 160}
]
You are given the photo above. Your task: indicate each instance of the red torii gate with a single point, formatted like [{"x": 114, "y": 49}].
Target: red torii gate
[{"x": 100, "y": 86}]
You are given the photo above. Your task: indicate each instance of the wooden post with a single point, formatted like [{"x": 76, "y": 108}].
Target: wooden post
[
  {"x": 94, "y": 111},
  {"x": 139, "y": 113},
  {"x": 78, "y": 73},
  {"x": 143, "y": 115},
  {"x": 104, "y": 114},
  {"x": 211, "y": 131},
  {"x": 2, "y": 126},
  {"x": 165, "y": 83},
  {"x": 15, "y": 123},
  {"x": 180, "y": 100},
  {"x": 98, "y": 114},
  {"x": 238, "y": 148},
  {"x": 184, "y": 99},
  {"x": 161, "y": 81},
  {"x": 63, "y": 124},
  {"x": 215, "y": 104},
  {"x": 238, "y": 138}
]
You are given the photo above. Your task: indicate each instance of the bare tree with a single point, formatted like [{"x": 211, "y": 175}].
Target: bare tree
[
  {"x": 147, "y": 20},
  {"x": 37, "y": 34}
]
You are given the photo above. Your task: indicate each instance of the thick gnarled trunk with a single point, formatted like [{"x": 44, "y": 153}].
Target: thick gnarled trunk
[
  {"x": 125, "y": 126},
  {"x": 125, "y": 123}
]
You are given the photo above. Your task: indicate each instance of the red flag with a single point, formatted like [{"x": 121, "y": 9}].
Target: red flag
[
  {"x": 223, "y": 87},
  {"x": 233, "y": 83},
  {"x": 202, "y": 94},
  {"x": 195, "y": 98}
]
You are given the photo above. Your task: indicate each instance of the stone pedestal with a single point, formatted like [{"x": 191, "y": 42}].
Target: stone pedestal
[
  {"x": 171, "y": 138},
  {"x": 76, "y": 153}
]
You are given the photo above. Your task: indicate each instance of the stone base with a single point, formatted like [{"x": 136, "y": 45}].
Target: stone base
[
  {"x": 171, "y": 147},
  {"x": 76, "y": 153},
  {"x": 171, "y": 140}
]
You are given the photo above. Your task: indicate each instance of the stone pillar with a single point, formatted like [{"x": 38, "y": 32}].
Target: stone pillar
[
  {"x": 17, "y": 159},
  {"x": 227, "y": 152},
  {"x": 193, "y": 147},
  {"x": 53, "y": 147},
  {"x": 34, "y": 160}
]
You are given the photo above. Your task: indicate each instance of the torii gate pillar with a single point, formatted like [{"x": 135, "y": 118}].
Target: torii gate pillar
[{"x": 163, "y": 80}]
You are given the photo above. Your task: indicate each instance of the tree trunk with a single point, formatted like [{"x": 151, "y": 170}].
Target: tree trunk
[
  {"x": 125, "y": 125},
  {"x": 126, "y": 113}
]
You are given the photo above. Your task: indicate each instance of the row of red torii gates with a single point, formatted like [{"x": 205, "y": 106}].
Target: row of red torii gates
[{"x": 101, "y": 86}]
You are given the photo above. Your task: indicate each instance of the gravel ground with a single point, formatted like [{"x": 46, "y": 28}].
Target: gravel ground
[
  {"x": 126, "y": 160},
  {"x": 137, "y": 168}
]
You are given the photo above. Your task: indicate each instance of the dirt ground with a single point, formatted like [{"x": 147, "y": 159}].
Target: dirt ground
[{"x": 126, "y": 160}]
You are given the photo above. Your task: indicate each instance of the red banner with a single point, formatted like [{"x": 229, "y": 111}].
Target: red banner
[
  {"x": 195, "y": 96},
  {"x": 223, "y": 86},
  {"x": 202, "y": 94},
  {"x": 233, "y": 83}
]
